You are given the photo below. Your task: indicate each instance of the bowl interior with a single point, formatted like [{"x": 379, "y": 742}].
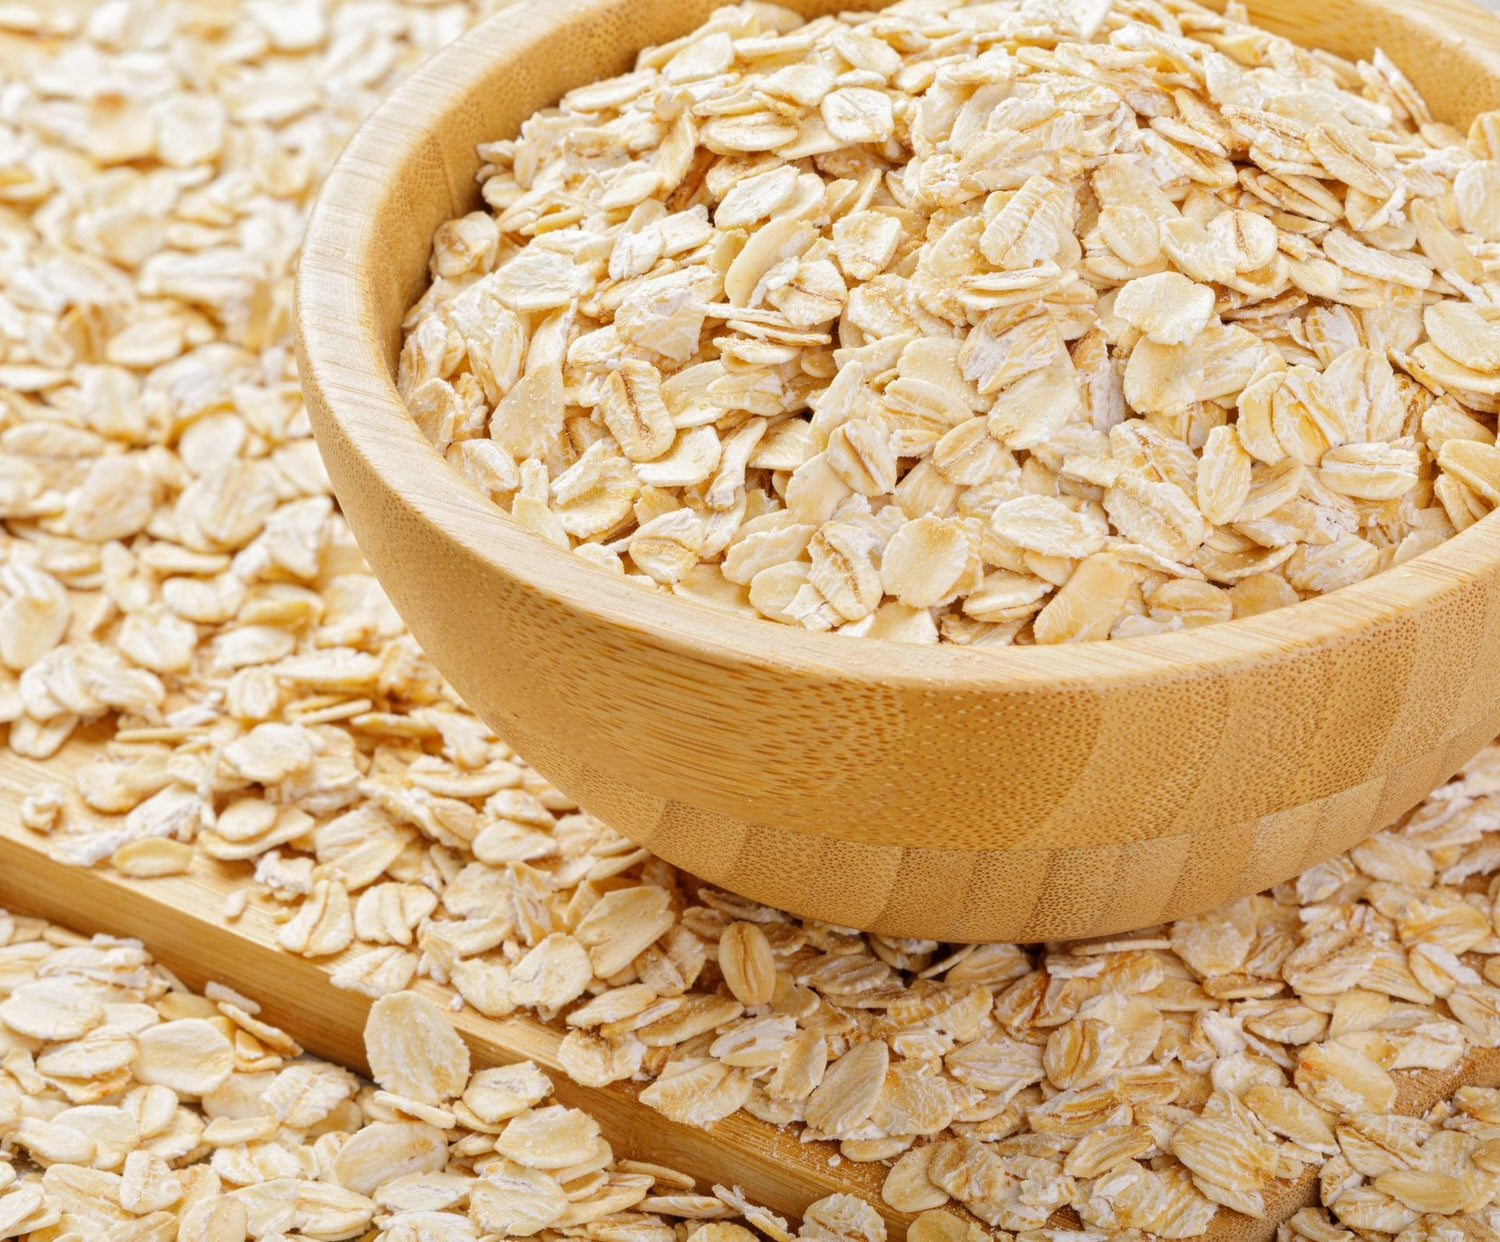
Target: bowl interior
[{"x": 380, "y": 201}]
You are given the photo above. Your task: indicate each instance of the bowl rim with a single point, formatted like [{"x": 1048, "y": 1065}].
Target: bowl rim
[{"x": 343, "y": 365}]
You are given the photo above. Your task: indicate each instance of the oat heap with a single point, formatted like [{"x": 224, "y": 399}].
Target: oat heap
[
  {"x": 1001, "y": 322},
  {"x": 262, "y": 709},
  {"x": 133, "y": 1110},
  {"x": 166, "y": 516}
]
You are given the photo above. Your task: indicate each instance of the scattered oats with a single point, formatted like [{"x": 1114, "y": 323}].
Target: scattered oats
[{"x": 303, "y": 1148}]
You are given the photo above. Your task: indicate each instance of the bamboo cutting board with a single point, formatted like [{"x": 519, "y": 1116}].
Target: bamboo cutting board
[{"x": 180, "y": 920}]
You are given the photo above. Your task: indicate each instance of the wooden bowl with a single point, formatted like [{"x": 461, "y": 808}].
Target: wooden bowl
[{"x": 941, "y": 792}]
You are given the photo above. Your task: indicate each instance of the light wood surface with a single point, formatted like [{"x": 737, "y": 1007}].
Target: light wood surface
[
  {"x": 958, "y": 794},
  {"x": 179, "y": 918}
]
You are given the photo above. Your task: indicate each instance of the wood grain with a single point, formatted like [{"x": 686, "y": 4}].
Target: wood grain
[
  {"x": 179, "y": 918},
  {"x": 939, "y": 792}
]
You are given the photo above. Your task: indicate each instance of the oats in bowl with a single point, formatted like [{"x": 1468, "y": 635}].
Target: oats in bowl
[{"x": 981, "y": 323}]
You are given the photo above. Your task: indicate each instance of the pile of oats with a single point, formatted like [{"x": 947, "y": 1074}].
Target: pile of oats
[
  {"x": 133, "y": 1110},
  {"x": 173, "y": 576},
  {"x": 1013, "y": 322}
]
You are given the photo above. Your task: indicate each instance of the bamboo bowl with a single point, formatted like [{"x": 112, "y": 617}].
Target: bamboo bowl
[{"x": 1021, "y": 794}]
